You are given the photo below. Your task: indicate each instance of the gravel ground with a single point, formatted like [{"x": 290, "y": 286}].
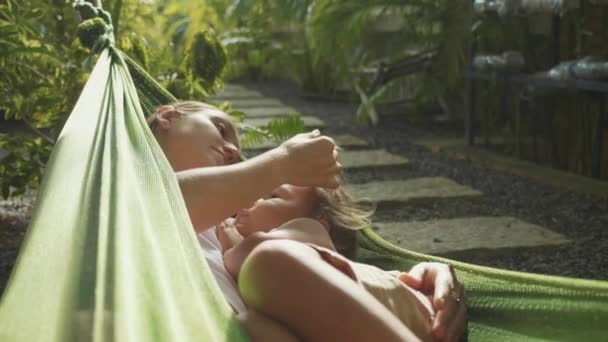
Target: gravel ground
[{"x": 583, "y": 219}]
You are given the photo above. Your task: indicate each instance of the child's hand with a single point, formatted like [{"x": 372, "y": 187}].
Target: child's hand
[
  {"x": 310, "y": 159},
  {"x": 228, "y": 235}
]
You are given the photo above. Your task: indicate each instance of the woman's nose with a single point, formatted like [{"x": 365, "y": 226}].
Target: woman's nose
[{"x": 232, "y": 153}]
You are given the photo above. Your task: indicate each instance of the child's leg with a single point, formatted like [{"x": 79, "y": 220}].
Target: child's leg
[{"x": 289, "y": 282}]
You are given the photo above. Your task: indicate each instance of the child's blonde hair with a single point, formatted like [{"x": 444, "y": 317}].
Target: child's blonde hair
[{"x": 345, "y": 216}]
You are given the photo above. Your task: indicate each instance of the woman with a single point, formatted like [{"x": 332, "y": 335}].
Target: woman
[{"x": 201, "y": 143}]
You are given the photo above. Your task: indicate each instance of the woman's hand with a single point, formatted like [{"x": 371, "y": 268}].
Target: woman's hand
[
  {"x": 310, "y": 159},
  {"x": 439, "y": 282}
]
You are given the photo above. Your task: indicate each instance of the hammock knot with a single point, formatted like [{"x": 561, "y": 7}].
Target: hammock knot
[{"x": 96, "y": 31}]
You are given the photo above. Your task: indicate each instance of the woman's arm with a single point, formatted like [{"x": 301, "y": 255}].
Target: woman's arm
[{"x": 214, "y": 193}]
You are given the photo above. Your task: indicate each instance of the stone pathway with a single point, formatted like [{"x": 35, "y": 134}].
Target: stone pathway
[
  {"x": 247, "y": 103},
  {"x": 344, "y": 141},
  {"x": 407, "y": 190},
  {"x": 268, "y": 111},
  {"x": 470, "y": 234},
  {"x": 454, "y": 236},
  {"x": 310, "y": 122}
]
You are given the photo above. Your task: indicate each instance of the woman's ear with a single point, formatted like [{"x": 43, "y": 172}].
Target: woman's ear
[{"x": 164, "y": 115}]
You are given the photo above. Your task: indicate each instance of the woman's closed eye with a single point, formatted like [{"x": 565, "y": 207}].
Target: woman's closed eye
[{"x": 221, "y": 127}]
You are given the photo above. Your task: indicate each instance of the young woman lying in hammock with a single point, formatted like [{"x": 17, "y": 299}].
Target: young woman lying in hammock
[
  {"x": 201, "y": 143},
  {"x": 330, "y": 218}
]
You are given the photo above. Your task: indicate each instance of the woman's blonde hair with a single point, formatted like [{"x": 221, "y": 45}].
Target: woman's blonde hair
[
  {"x": 345, "y": 216},
  {"x": 181, "y": 108}
]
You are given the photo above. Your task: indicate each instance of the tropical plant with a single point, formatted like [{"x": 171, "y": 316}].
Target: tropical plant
[
  {"x": 267, "y": 39},
  {"x": 41, "y": 78},
  {"x": 331, "y": 40},
  {"x": 350, "y": 30}
]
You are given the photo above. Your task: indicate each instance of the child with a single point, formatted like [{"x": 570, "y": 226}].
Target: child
[{"x": 332, "y": 218}]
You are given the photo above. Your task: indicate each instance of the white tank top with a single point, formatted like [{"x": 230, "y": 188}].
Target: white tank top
[{"x": 212, "y": 250}]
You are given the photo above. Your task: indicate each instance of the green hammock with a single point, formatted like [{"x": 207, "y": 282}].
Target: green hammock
[{"x": 110, "y": 254}]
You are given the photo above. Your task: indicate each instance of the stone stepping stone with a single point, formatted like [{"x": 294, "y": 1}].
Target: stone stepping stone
[
  {"x": 236, "y": 91},
  {"x": 234, "y": 87},
  {"x": 246, "y": 104},
  {"x": 412, "y": 189},
  {"x": 230, "y": 95},
  {"x": 264, "y": 112},
  {"x": 370, "y": 158},
  {"x": 346, "y": 141},
  {"x": 310, "y": 122},
  {"x": 468, "y": 235}
]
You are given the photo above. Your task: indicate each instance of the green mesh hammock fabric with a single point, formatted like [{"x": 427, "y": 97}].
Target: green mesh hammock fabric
[{"x": 110, "y": 254}]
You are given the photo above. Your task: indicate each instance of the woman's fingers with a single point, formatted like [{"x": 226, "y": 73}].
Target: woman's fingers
[
  {"x": 410, "y": 280},
  {"x": 419, "y": 272},
  {"x": 444, "y": 317},
  {"x": 450, "y": 320},
  {"x": 458, "y": 325},
  {"x": 444, "y": 285},
  {"x": 311, "y": 160},
  {"x": 439, "y": 282}
]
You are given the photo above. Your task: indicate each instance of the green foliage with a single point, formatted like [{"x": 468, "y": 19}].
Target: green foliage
[
  {"x": 184, "y": 19},
  {"x": 278, "y": 130},
  {"x": 323, "y": 43},
  {"x": 367, "y": 109},
  {"x": 40, "y": 81},
  {"x": 136, "y": 47},
  {"x": 268, "y": 39},
  {"x": 207, "y": 57},
  {"x": 20, "y": 169}
]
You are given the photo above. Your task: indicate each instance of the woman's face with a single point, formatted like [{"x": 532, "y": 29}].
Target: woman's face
[
  {"x": 207, "y": 138},
  {"x": 286, "y": 203}
]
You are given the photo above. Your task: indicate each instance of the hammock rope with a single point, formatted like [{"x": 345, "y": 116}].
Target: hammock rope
[{"x": 110, "y": 253}]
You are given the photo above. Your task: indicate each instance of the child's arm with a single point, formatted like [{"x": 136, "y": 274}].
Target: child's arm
[
  {"x": 304, "y": 230},
  {"x": 315, "y": 301}
]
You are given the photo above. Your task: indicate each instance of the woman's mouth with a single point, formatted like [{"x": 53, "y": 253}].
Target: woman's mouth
[{"x": 222, "y": 158}]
